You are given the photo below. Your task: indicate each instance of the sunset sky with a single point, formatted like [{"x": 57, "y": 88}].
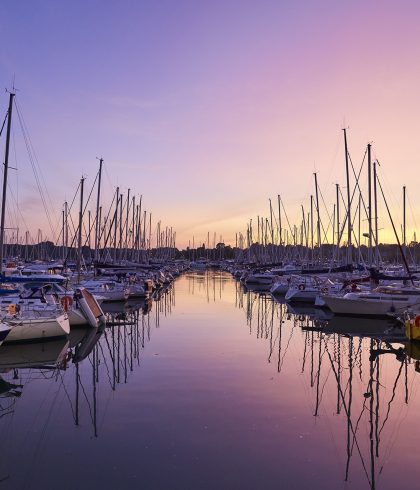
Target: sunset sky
[{"x": 209, "y": 108}]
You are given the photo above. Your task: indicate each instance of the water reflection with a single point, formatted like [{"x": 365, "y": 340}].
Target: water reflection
[
  {"x": 78, "y": 368},
  {"x": 345, "y": 356},
  {"x": 355, "y": 379}
]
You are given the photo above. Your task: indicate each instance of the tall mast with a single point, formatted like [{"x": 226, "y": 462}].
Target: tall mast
[
  {"x": 404, "y": 229},
  {"x": 126, "y": 225},
  {"x": 312, "y": 228},
  {"x": 349, "y": 251},
  {"x": 64, "y": 236},
  {"x": 337, "y": 195},
  {"x": 66, "y": 230},
  {"x": 6, "y": 167},
  {"x": 375, "y": 198},
  {"x": 79, "y": 241},
  {"x": 117, "y": 201},
  {"x": 271, "y": 224},
  {"x": 370, "y": 205},
  {"x": 280, "y": 230},
  {"x": 98, "y": 202},
  {"x": 318, "y": 222}
]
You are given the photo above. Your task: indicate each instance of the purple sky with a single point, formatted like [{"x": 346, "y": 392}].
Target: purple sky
[{"x": 210, "y": 108}]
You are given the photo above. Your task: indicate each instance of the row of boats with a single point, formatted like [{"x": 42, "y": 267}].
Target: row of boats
[
  {"x": 41, "y": 305},
  {"x": 339, "y": 293}
]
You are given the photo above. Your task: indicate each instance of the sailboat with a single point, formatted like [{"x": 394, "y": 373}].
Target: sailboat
[{"x": 28, "y": 323}]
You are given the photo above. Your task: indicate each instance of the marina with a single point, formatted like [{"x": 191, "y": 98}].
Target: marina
[
  {"x": 209, "y": 255},
  {"x": 228, "y": 366}
]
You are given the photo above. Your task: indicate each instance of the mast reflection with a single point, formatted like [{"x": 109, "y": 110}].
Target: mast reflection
[{"x": 368, "y": 362}]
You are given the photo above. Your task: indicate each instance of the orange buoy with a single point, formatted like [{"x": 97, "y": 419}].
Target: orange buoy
[{"x": 66, "y": 302}]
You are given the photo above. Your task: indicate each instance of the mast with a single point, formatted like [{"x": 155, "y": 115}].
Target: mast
[
  {"x": 66, "y": 230},
  {"x": 375, "y": 199},
  {"x": 117, "y": 201},
  {"x": 98, "y": 202},
  {"x": 280, "y": 230},
  {"x": 126, "y": 225},
  {"x": 271, "y": 224},
  {"x": 64, "y": 236},
  {"x": 370, "y": 205},
  {"x": 6, "y": 167},
  {"x": 312, "y": 228},
  {"x": 404, "y": 229},
  {"x": 337, "y": 192},
  {"x": 318, "y": 222},
  {"x": 349, "y": 251},
  {"x": 79, "y": 241}
]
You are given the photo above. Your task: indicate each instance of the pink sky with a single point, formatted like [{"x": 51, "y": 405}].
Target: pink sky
[{"x": 210, "y": 108}]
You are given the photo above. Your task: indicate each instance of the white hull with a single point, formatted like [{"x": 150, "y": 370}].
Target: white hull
[
  {"x": 306, "y": 296},
  {"x": 344, "y": 306},
  {"x": 90, "y": 308},
  {"x": 137, "y": 291},
  {"x": 76, "y": 317},
  {"x": 38, "y": 328}
]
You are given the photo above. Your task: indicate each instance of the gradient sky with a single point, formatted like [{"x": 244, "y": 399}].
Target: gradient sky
[{"x": 210, "y": 108}]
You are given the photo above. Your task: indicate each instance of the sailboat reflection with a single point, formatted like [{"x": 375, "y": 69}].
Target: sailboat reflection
[
  {"x": 366, "y": 363},
  {"x": 43, "y": 355},
  {"x": 111, "y": 354},
  {"x": 77, "y": 364}
]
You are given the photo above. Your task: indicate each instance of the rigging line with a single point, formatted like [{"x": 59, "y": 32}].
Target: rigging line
[
  {"x": 35, "y": 155},
  {"x": 17, "y": 207},
  {"x": 16, "y": 173},
  {"x": 412, "y": 211},
  {"x": 87, "y": 399},
  {"x": 286, "y": 348},
  {"x": 32, "y": 157},
  {"x": 106, "y": 364},
  {"x": 83, "y": 212},
  {"x": 36, "y": 175},
  {"x": 323, "y": 201},
  {"x": 74, "y": 198},
  {"x": 392, "y": 398},
  {"x": 4, "y": 122},
  {"x": 344, "y": 224},
  {"x": 395, "y": 232},
  {"x": 323, "y": 385},
  {"x": 67, "y": 394},
  {"x": 87, "y": 202},
  {"x": 348, "y": 416},
  {"x": 357, "y": 181}
]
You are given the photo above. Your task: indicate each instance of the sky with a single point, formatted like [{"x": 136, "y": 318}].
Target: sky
[{"x": 209, "y": 108}]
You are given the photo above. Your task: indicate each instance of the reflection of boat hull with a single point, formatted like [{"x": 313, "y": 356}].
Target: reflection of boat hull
[
  {"x": 38, "y": 328},
  {"x": 257, "y": 287},
  {"x": 277, "y": 298},
  {"x": 87, "y": 343},
  {"x": 113, "y": 307},
  {"x": 385, "y": 329},
  {"x": 307, "y": 310},
  {"x": 4, "y": 331},
  {"x": 279, "y": 288},
  {"x": 33, "y": 354}
]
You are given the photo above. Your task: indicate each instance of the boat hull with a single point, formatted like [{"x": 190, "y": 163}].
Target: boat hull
[{"x": 38, "y": 328}]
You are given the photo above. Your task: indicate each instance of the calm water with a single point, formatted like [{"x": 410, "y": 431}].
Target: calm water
[{"x": 210, "y": 387}]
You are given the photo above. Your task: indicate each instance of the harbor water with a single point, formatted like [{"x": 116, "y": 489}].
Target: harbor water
[{"x": 210, "y": 386}]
